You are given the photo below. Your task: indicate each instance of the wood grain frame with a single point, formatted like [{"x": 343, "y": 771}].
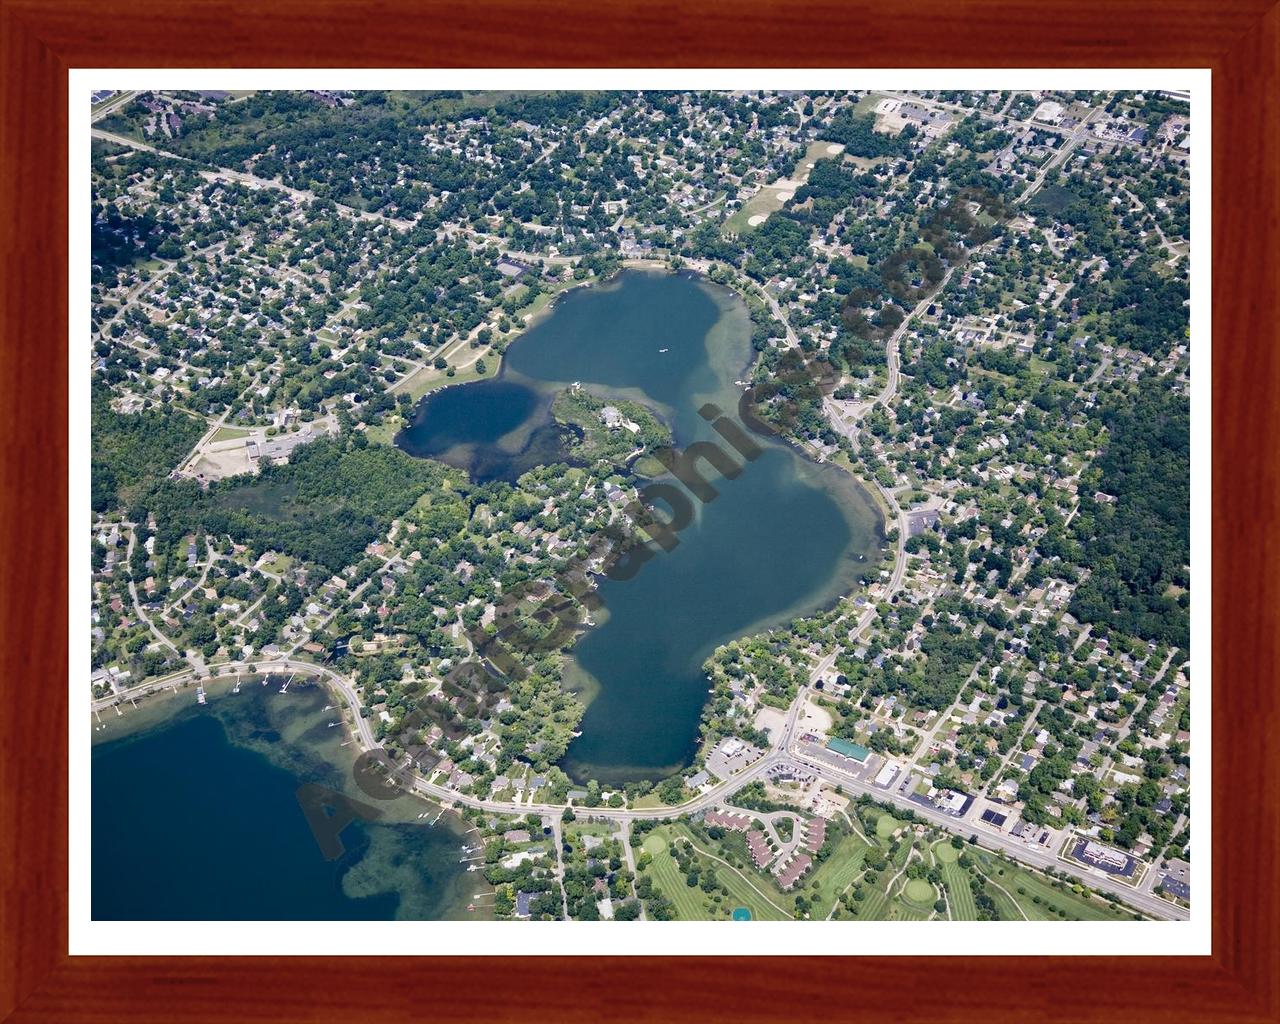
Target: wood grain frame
[{"x": 39, "y": 41}]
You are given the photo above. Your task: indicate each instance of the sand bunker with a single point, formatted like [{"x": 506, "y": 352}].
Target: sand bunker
[
  {"x": 835, "y": 148},
  {"x": 759, "y": 218},
  {"x": 784, "y": 196}
]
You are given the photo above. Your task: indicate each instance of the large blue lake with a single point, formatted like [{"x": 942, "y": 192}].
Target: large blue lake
[
  {"x": 196, "y": 816},
  {"x": 785, "y": 538}
]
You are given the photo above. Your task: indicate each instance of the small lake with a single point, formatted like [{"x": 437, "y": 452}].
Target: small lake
[
  {"x": 196, "y": 817},
  {"x": 785, "y": 538}
]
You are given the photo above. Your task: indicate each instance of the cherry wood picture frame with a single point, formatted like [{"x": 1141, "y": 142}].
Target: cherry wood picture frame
[{"x": 41, "y": 39}]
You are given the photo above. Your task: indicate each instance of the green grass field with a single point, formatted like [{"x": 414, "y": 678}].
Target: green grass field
[
  {"x": 762, "y": 204},
  {"x": 278, "y": 564},
  {"x": 815, "y": 152},
  {"x": 835, "y": 873},
  {"x": 899, "y": 859},
  {"x": 540, "y": 302},
  {"x": 1006, "y": 906},
  {"x": 959, "y": 895},
  {"x": 919, "y": 892},
  {"x": 229, "y": 433},
  {"x": 602, "y": 829},
  {"x": 428, "y": 379},
  {"x": 666, "y": 875},
  {"x": 692, "y": 904},
  {"x": 901, "y": 911},
  {"x": 1077, "y": 907},
  {"x": 875, "y": 906},
  {"x": 868, "y": 103},
  {"x": 385, "y": 432},
  {"x": 886, "y": 825}
]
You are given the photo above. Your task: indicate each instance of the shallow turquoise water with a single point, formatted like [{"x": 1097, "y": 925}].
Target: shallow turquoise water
[{"x": 198, "y": 818}]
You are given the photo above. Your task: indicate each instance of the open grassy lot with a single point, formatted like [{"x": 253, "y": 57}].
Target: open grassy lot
[
  {"x": 959, "y": 895},
  {"x": 603, "y": 829},
  {"x": 540, "y": 302},
  {"x": 278, "y": 564},
  {"x": 230, "y": 433},
  {"x": 902, "y": 911},
  {"x": 692, "y": 904},
  {"x": 666, "y": 875},
  {"x": 1026, "y": 886},
  {"x": 874, "y": 906},
  {"x": 918, "y": 891},
  {"x": 762, "y": 204},
  {"x": 867, "y": 104},
  {"x": 886, "y": 825},
  {"x": 429, "y": 379},
  {"x": 835, "y": 873},
  {"x": 385, "y": 432},
  {"x": 816, "y": 151}
]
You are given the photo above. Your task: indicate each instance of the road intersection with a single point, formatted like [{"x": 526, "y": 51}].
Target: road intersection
[{"x": 785, "y": 753}]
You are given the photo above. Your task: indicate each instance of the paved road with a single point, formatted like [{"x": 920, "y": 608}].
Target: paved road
[
  {"x": 252, "y": 180},
  {"x": 628, "y": 856},
  {"x": 1039, "y": 857},
  {"x": 1145, "y": 902},
  {"x": 137, "y": 605},
  {"x": 112, "y": 105},
  {"x": 1060, "y": 157},
  {"x": 783, "y": 754}
]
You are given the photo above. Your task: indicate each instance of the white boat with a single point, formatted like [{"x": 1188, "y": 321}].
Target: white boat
[{"x": 661, "y": 350}]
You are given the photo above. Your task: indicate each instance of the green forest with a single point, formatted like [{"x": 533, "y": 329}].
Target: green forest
[
  {"x": 333, "y": 498},
  {"x": 860, "y": 138},
  {"x": 1139, "y": 546},
  {"x": 130, "y": 451}
]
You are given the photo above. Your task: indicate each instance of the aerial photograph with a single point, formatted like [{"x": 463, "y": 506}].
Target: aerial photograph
[{"x": 639, "y": 506}]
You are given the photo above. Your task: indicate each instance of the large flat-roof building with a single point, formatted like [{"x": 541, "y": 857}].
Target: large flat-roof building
[{"x": 847, "y": 748}]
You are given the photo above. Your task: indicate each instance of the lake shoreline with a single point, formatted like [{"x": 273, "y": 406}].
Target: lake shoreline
[
  {"x": 229, "y": 776},
  {"x": 642, "y": 306},
  {"x": 840, "y": 484}
]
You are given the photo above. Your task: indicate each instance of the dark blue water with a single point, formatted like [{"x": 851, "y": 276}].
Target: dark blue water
[
  {"x": 189, "y": 825},
  {"x": 783, "y": 539},
  {"x": 479, "y": 414}
]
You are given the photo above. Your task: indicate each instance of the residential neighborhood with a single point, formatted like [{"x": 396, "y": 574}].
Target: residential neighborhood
[{"x": 395, "y": 395}]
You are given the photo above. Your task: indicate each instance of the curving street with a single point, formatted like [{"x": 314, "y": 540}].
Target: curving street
[{"x": 785, "y": 753}]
